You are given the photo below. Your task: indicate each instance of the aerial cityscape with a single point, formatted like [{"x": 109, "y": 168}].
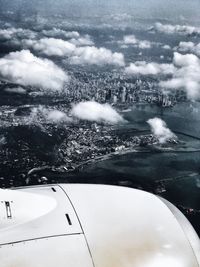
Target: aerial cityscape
[{"x": 102, "y": 93}]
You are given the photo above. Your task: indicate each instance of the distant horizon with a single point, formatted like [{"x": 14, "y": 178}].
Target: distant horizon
[{"x": 143, "y": 8}]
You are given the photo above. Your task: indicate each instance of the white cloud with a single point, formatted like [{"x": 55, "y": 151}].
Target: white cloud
[
  {"x": 47, "y": 115},
  {"x": 166, "y": 47},
  {"x": 97, "y": 56},
  {"x": 186, "y": 75},
  {"x": 77, "y": 55},
  {"x": 184, "y": 72},
  {"x": 144, "y": 44},
  {"x": 57, "y": 116},
  {"x": 51, "y": 46},
  {"x": 81, "y": 41},
  {"x": 17, "y": 90},
  {"x": 11, "y": 33},
  {"x": 185, "y": 60},
  {"x": 189, "y": 47},
  {"x": 73, "y": 36},
  {"x": 160, "y": 130},
  {"x": 186, "y": 46},
  {"x": 7, "y": 33},
  {"x": 93, "y": 111},
  {"x": 55, "y": 32},
  {"x": 176, "y": 29},
  {"x": 144, "y": 68},
  {"x": 132, "y": 40},
  {"x": 26, "y": 69}
]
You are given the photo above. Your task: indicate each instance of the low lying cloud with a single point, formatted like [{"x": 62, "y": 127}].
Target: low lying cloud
[
  {"x": 166, "y": 47},
  {"x": 184, "y": 72},
  {"x": 132, "y": 40},
  {"x": 7, "y": 33},
  {"x": 160, "y": 130},
  {"x": 57, "y": 116},
  {"x": 77, "y": 55},
  {"x": 11, "y": 33},
  {"x": 186, "y": 75},
  {"x": 82, "y": 41},
  {"x": 144, "y": 68},
  {"x": 16, "y": 90},
  {"x": 189, "y": 47},
  {"x": 93, "y": 111},
  {"x": 47, "y": 115},
  {"x": 55, "y": 32},
  {"x": 26, "y": 69},
  {"x": 72, "y": 36},
  {"x": 176, "y": 29},
  {"x": 51, "y": 46},
  {"x": 97, "y": 56}
]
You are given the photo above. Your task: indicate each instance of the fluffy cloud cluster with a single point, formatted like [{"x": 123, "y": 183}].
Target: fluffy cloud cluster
[
  {"x": 90, "y": 111},
  {"x": 57, "y": 116},
  {"x": 132, "y": 40},
  {"x": 186, "y": 76},
  {"x": 77, "y": 55},
  {"x": 93, "y": 111},
  {"x": 51, "y": 46},
  {"x": 55, "y": 32},
  {"x": 160, "y": 130},
  {"x": 16, "y": 90},
  {"x": 189, "y": 47},
  {"x": 7, "y": 33},
  {"x": 26, "y": 69},
  {"x": 11, "y": 33},
  {"x": 48, "y": 115},
  {"x": 176, "y": 29},
  {"x": 82, "y": 40},
  {"x": 184, "y": 72},
  {"x": 97, "y": 56},
  {"x": 73, "y": 36},
  {"x": 144, "y": 68},
  {"x": 166, "y": 47}
]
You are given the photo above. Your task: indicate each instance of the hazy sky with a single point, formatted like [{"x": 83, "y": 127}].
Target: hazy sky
[{"x": 141, "y": 8}]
